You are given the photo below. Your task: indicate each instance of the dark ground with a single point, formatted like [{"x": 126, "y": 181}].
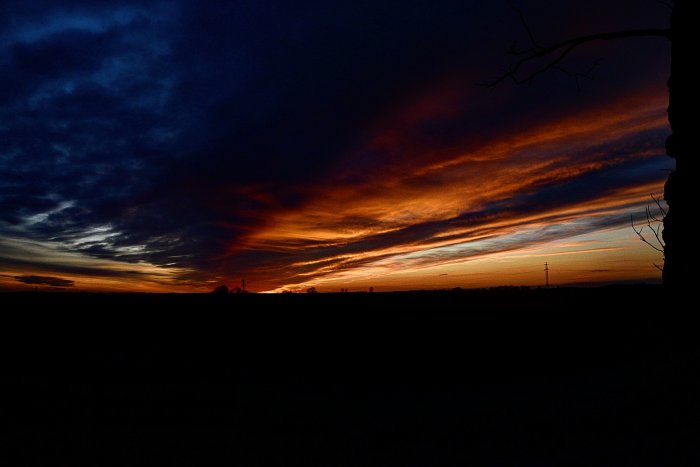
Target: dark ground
[{"x": 555, "y": 377}]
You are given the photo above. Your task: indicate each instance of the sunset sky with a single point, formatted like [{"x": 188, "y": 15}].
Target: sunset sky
[{"x": 178, "y": 145}]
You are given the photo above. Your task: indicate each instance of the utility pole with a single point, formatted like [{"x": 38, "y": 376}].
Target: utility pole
[{"x": 546, "y": 275}]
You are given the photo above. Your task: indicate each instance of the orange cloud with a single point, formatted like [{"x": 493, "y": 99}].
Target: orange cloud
[{"x": 346, "y": 228}]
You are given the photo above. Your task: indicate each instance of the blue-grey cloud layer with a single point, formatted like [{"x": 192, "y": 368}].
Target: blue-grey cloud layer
[{"x": 153, "y": 119}]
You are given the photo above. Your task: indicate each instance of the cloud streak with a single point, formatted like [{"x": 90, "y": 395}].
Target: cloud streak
[
  {"x": 167, "y": 146},
  {"x": 544, "y": 179},
  {"x": 44, "y": 280}
]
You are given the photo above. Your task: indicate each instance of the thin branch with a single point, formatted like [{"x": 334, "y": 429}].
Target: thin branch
[
  {"x": 642, "y": 238},
  {"x": 658, "y": 203},
  {"x": 514, "y": 50},
  {"x": 588, "y": 75},
  {"x": 566, "y": 47},
  {"x": 526, "y": 26},
  {"x": 651, "y": 217},
  {"x": 656, "y": 231}
]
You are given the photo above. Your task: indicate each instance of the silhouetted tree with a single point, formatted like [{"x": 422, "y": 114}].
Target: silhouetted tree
[
  {"x": 220, "y": 290},
  {"x": 678, "y": 187},
  {"x": 311, "y": 290}
]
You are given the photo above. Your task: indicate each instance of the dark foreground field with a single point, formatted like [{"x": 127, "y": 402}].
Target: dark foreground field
[{"x": 506, "y": 377}]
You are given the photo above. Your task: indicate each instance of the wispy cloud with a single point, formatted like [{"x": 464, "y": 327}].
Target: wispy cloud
[
  {"x": 45, "y": 280},
  {"x": 554, "y": 181},
  {"x": 151, "y": 145}
]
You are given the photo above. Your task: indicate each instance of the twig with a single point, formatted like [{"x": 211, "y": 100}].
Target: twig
[
  {"x": 642, "y": 238},
  {"x": 658, "y": 203},
  {"x": 566, "y": 47},
  {"x": 518, "y": 11},
  {"x": 659, "y": 245}
]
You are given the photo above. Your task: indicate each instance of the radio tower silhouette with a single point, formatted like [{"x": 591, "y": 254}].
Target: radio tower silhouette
[{"x": 546, "y": 275}]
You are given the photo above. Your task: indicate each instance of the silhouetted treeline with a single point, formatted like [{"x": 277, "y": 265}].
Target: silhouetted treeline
[{"x": 488, "y": 377}]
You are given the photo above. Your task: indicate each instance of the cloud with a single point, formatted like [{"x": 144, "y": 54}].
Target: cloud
[
  {"x": 275, "y": 139},
  {"x": 69, "y": 52},
  {"x": 39, "y": 280},
  {"x": 577, "y": 179}
]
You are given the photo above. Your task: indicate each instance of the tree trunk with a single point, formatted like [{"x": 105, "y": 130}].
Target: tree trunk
[{"x": 677, "y": 190}]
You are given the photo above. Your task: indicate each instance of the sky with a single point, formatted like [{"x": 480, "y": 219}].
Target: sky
[{"x": 173, "y": 146}]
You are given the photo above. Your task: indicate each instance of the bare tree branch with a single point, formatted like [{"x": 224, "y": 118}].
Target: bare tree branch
[
  {"x": 588, "y": 75},
  {"x": 659, "y": 245},
  {"x": 535, "y": 45},
  {"x": 564, "y": 48},
  {"x": 642, "y": 238},
  {"x": 658, "y": 204},
  {"x": 656, "y": 231}
]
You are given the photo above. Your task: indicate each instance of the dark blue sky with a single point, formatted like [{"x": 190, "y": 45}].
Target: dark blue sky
[{"x": 178, "y": 135}]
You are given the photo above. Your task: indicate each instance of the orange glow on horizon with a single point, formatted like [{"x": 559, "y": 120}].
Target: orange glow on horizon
[{"x": 393, "y": 201}]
